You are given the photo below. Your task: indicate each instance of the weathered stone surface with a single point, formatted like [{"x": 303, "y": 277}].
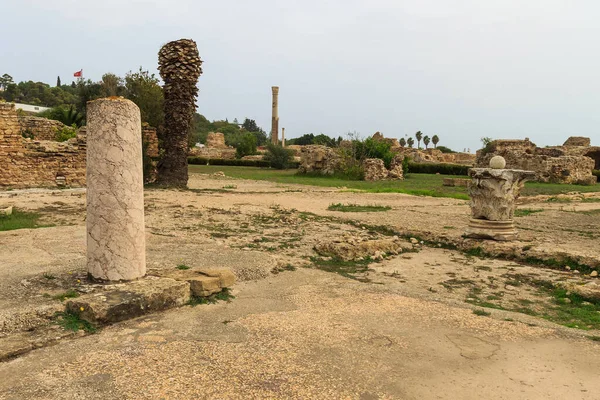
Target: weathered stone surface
[
  {"x": 150, "y": 140},
  {"x": 497, "y": 162},
  {"x": 116, "y": 244},
  {"x": 216, "y": 140},
  {"x": 317, "y": 158},
  {"x": 39, "y": 128},
  {"x": 226, "y": 277},
  {"x": 128, "y": 300},
  {"x": 578, "y": 141},
  {"x": 32, "y": 163},
  {"x": 572, "y": 163},
  {"x": 352, "y": 248},
  {"x": 275, "y": 116},
  {"x": 494, "y": 191},
  {"x": 202, "y": 286},
  {"x": 396, "y": 171},
  {"x": 6, "y": 210},
  {"x": 375, "y": 169}
]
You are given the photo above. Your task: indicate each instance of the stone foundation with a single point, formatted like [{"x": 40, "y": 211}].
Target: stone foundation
[
  {"x": 150, "y": 140},
  {"x": 32, "y": 163}
]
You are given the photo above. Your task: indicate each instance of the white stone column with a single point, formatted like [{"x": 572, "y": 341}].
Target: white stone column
[
  {"x": 116, "y": 243},
  {"x": 282, "y": 137}
]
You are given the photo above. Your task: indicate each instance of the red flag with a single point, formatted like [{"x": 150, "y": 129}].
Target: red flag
[{"x": 78, "y": 74}]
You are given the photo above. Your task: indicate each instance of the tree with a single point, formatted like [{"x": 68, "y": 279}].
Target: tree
[
  {"x": 143, "y": 89},
  {"x": 58, "y": 81},
  {"x": 410, "y": 142},
  {"x": 402, "y": 142},
  {"x": 324, "y": 140},
  {"x": 435, "y": 140},
  {"x": 246, "y": 145},
  {"x": 419, "y": 136},
  {"x": 68, "y": 115},
  {"x": 305, "y": 139},
  {"x": 5, "y": 80},
  {"x": 180, "y": 67},
  {"x": 251, "y": 126},
  {"x": 445, "y": 149},
  {"x": 112, "y": 85},
  {"x": 426, "y": 141},
  {"x": 278, "y": 156}
]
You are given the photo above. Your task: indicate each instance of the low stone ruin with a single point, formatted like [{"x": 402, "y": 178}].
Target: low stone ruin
[
  {"x": 37, "y": 163},
  {"x": 38, "y": 128},
  {"x": 572, "y": 162},
  {"x": 215, "y": 148},
  {"x": 150, "y": 140}
]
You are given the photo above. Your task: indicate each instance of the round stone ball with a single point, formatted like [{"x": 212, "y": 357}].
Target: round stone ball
[{"x": 497, "y": 162}]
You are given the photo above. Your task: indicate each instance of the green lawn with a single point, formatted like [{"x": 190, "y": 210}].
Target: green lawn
[
  {"x": 415, "y": 184},
  {"x": 20, "y": 220}
]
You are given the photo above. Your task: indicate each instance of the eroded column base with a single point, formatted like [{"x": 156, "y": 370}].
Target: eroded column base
[{"x": 494, "y": 230}]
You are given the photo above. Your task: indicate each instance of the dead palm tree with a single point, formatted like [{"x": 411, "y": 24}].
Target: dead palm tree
[{"x": 180, "y": 67}]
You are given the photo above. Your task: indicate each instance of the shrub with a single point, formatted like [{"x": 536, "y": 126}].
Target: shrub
[
  {"x": 278, "y": 156},
  {"x": 246, "y": 145},
  {"x": 372, "y": 148},
  {"x": 596, "y": 172},
  {"x": 66, "y": 133},
  {"x": 441, "y": 168},
  {"x": 445, "y": 149},
  {"x": 235, "y": 162}
]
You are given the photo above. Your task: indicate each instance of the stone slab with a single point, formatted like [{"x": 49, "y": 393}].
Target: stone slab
[
  {"x": 226, "y": 277},
  {"x": 203, "y": 286},
  {"x": 129, "y": 300}
]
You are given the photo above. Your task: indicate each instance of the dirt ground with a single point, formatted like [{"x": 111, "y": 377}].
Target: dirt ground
[{"x": 384, "y": 326}]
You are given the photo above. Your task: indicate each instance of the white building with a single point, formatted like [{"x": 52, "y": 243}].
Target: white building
[{"x": 30, "y": 108}]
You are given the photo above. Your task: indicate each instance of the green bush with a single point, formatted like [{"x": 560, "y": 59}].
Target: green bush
[
  {"x": 596, "y": 172},
  {"x": 278, "y": 156},
  {"x": 246, "y": 145},
  {"x": 441, "y": 168},
  {"x": 372, "y": 148},
  {"x": 235, "y": 162},
  {"x": 66, "y": 133},
  {"x": 445, "y": 149}
]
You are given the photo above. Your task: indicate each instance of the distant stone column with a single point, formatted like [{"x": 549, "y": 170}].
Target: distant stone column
[
  {"x": 282, "y": 137},
  {"x": 116, "y": 244},
  {"x": 275, "y": 116}
]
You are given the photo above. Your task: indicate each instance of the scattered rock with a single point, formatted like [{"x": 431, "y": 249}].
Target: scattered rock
[
  {"x": 414, "y": 241},
  {"x": 594, "y": 274}
]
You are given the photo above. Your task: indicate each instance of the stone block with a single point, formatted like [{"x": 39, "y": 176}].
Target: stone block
[
  {"x": 129, "y": 300},
  {"x": 202, "y": 286},
  {"x": 226, "y": 277}
]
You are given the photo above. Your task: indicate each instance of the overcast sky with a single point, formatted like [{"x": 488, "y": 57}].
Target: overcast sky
[{"x": 461, "y": 69}]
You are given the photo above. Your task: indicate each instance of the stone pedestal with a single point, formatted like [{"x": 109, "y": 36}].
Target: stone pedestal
[
  {"x": 493, "y": 194},
  {"x": 116, "y": 246}
]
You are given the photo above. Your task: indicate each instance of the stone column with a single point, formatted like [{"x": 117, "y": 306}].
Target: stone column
[
  {"x": 275, "y": 116},
  {"x": 493, "y": 194},
  {"x": 116, "y": 243},
  {"x": 282, "y": 137}
]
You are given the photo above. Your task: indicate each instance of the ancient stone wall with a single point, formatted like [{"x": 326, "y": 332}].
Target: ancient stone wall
[
  {"x": 317, "y": 158},
  {"x": 38, "y": 128},
  {"x": 34, "y": 163},
  {"x": 216, "y": 140},
  {"x": 150, "y": 139},
  {"x": 558, "y": 164}
]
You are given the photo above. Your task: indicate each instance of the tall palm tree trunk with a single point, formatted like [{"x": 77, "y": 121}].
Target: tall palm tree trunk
[{"x": 180, "y": 67}]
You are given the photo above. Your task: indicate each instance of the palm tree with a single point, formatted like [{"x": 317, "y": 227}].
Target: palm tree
[
  {"x": 402, "y": 142},
  {"x": 410, "y": 142},
  {"x": 426, "y": 141},
  {"x": 435, "y": 140},
  {"x": 180, "y": 67},
  {"x": 418, "y": 135}
]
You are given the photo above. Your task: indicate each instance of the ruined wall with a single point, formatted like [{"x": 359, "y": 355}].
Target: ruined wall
[
  {"x": 317, "y": 158},
  {"x": 34, "y": 163},
  {"x": 215, "y": 140},
  {"x": 436, "y": 156},
  {"x": 39, "y": 128},
  {"x": 559, "y": 164},
  {"x": 215, "y": 148},
  {"x": 150, "y": 139}
]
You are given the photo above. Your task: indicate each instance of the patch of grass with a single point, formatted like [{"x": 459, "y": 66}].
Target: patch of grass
[
  {"x": 475, "y": 252},
  {"x": 522, "y": 212},
  {"x": 288, "y": 267},
  {"x": 230, "y": 187},
  {"x": 449, "y": 227},
  {"x": 574, "y": 311},
  {"x": 49, "y": 276},
  {"x": 71, "y": 322},
  {"x": 347, "y": 269},
  {"x": 20, "y": 220},
  {"x": 223, "y": 295},
  {"x": 182, "y": 267},
  {"x": 414, "y": 184},
  {"x": 69, "y": 294},
  {"x": 594, "y": 338},
  {"x": 357, "y": 208},
  {"x": 481, "y": 313}
]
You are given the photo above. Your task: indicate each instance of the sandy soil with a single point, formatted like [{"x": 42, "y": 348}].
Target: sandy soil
[{"x": 407, "y": 331}]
